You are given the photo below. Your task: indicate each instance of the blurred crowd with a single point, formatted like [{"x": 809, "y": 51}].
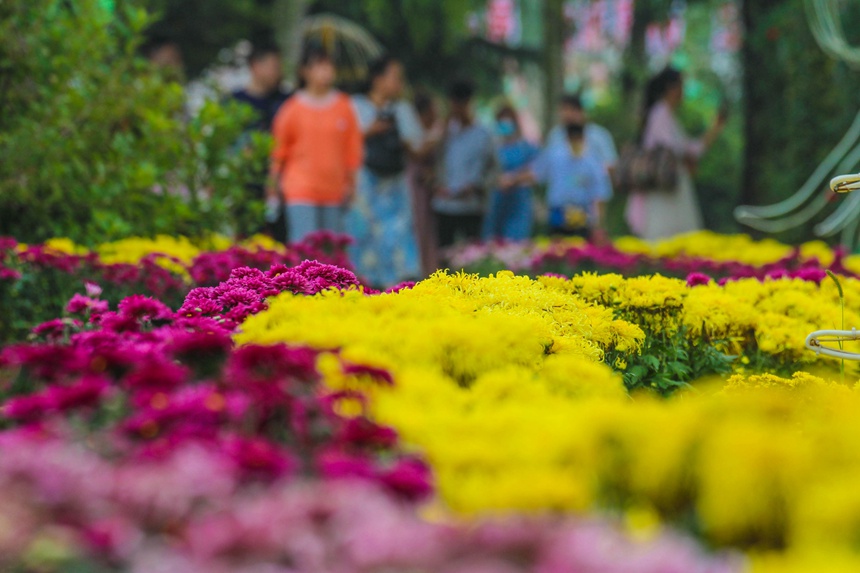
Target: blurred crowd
[{"x": 408, "y": 178}]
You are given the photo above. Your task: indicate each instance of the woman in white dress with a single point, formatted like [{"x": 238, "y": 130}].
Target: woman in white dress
[{"x": 664, "y": 213}]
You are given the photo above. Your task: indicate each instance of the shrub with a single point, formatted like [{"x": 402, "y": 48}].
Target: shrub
[{"x": 96, "y": 144}]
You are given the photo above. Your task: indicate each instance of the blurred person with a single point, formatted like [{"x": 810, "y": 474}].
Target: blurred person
[
  {"x": 265, "y": 95},
  {"x": 425, "y": 181},
  {"x": 165, "y": 54},
  {"x": 318, "y": 149},
  {"x": 598, "y": 139},
  {"x": 578, "y": 185},
  {"x": 467, "y": 170},
  {"x": 385, "y": 251},
  {"x": 510, "y": 212},
  {"x": 264, "y": 91},
  {"x": 667, "y": 212}
]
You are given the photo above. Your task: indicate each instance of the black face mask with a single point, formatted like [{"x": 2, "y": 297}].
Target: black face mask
[{"x": 574, "y": 130}]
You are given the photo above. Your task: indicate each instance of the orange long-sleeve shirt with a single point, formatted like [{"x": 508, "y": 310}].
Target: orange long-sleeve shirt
[{"x": 318, "y": 148}]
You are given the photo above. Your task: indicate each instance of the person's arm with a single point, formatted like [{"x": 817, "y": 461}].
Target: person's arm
[
  {"x": 411, "y": 132},
  {"x": 714, "y": 131},
  {"x": 354, "y": 154},
  {"x": 603, "y": 193},
  {"x": 491, "y": 165},
  {"x": 532, "y": 174},
  {"x": 609, "y": 153},
  {"x": 598, "y": 233},
  {"x": 283, "y": 133}
]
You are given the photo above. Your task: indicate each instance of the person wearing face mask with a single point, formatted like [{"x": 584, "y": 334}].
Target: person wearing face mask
[
  {"x": 510, "y": 213},
  {"x": 598, "y": 140},
  {"x": 577, "y": 185}
]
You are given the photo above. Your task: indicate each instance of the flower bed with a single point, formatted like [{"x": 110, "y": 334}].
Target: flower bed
[
  {"x": 465, "y": 423},
  {"x": 722, "y": 257},
  {"x": 500, "y": 384},
  {"x": 140, "y": 439},
  {"x": 36, "y": 281}
]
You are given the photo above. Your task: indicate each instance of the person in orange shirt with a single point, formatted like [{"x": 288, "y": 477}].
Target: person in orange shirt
[{"x": 318, "y": 150}]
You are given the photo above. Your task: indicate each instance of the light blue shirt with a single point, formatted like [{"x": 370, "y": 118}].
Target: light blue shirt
[
  {"x": 598, "y": 141},
  {"x": 571, "y": 180},
  {"x": 468, "y": 159}
]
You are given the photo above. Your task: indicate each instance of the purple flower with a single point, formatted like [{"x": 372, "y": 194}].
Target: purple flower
[
  {"x": 201, "y": 343},
  {"x": 26, "y": 408},
  {"x": 363, "y": 370},
  {"x": 141, "y": 307},
  {"x": 80, "y": 304},
  {"x": 87, "y": 392},
  {"x": 336, "y": 464},
  {"x": 257, "y": 457},
  {"x": 401, "y": 286},
  {"x": 8, "y": 243},
  {"x": 7, "y": 274},
  {"x": 93, "y": 290},
  {"x": 409, "y": 477},
  {"x": 698, "y": 279},
  {"x": 815, "y": 275},
  {"x": 255, "y": 364},
  {"x": 54, "y": 330},
  {"x": 364, "y": 433}
]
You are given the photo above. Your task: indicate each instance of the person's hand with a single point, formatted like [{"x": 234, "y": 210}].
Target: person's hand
[
  {"x": 378, "y": 126},
  {"x": 599, "y": 237},
  {"x": 443, "y": 193},
  {"x": 273, "y": 209},
  {"x": 507, "y": 181},
  {"x": 349, "y": 194},
  {"x": 271, "y": 190}
]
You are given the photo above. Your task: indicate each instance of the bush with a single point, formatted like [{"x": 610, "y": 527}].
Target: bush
[{"x": 96, "y": 144}]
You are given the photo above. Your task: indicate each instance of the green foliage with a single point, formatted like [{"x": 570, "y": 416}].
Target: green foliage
[
  {"x": 670, "y": 359},
  {"x": 427, "y": 35},
  {"x": 95, "y": 143},
  {"x": 202, "y": 28},
  {"x": 799, "y": 102}
]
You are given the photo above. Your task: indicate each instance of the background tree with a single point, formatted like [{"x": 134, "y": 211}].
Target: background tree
[
  {"x": 798, "y": 100},
  {"x": 95, "y": 143}
]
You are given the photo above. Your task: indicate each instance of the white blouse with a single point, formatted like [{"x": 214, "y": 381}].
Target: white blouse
[{"x": 662, "y": 128}]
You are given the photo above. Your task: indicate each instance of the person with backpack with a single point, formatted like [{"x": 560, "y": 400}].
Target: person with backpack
[
  {"x": 385, "y": 249},
  {"x": 510, "y": 212}
]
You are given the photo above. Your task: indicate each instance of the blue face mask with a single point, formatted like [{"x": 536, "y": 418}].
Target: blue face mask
[{"x": 505, "y": 128}]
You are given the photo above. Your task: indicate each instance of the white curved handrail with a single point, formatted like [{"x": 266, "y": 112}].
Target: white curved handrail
[{"x": 815, "y": 342}]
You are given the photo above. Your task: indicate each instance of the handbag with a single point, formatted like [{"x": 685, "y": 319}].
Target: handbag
[
  {"x": 384, "y": 152},
  {"x": 646, "y": 170}
]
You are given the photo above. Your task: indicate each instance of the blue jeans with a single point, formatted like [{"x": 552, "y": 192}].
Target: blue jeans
[
  {"x": 302, "y": 220},
  {"x": 509, "y": 215}
]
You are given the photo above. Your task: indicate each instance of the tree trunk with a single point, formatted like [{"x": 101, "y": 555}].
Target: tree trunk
[
  {"x": 760, "y": 84},
  {"x": 553, "y": 57}
]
